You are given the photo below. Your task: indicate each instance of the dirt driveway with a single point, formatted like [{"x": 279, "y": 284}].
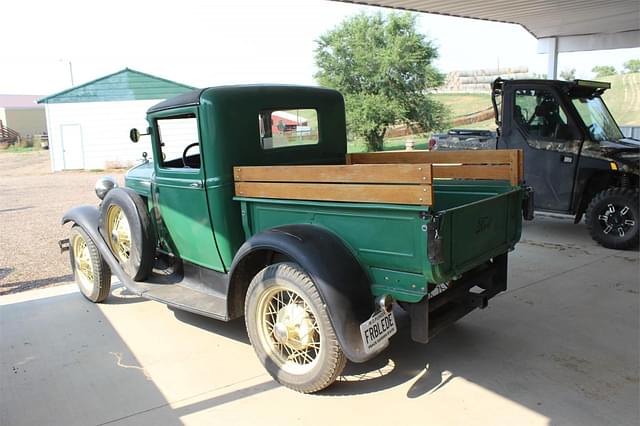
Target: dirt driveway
[{"x": 32, "y": 201}]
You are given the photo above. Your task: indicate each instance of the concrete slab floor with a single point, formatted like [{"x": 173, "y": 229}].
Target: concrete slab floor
[{"x": 560, "y": 347}]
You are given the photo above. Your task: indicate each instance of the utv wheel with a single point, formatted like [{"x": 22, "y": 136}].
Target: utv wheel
[
  {"x": 612, "y": 218},
  {"x": 125, "y": 225},
  {"x": 90, "y": 271},
  {"x": 290, "y": 330}
]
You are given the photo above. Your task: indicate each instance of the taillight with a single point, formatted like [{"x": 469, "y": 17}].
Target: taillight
[{"x": 432, "y": 143}]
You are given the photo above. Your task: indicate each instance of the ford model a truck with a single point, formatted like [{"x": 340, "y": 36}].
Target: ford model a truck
[
  {"x": 576, "y": 158},
  {"x": 252, "y": 206}
]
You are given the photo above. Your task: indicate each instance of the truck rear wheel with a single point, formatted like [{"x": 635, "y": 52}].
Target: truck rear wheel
[
  {"x": 125, "y": 225},
  {"x": 290, "y": 330},
  {"x": 90, "y": 271},
  {"x": 612, "y": 218}
]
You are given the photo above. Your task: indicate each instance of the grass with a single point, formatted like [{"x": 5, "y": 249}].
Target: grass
[
  {"x": 623, "y": 99},
  {"x": 391, "y": 144},
  {"x": 15, "y": 149},
  {"x": 464, "y": 103}
]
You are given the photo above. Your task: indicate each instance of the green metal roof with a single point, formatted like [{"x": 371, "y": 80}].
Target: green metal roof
[{"x": 125, "y": 85}]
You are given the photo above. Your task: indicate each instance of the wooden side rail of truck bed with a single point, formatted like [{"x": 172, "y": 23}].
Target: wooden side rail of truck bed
[
  {"x": 384, "y": 177},
  {"x": 499, "y": 164},
  {"x": 382, "y": 183}
]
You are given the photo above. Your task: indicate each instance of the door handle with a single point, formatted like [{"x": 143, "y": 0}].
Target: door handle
[
  {"x": 195, "y": 185},
  {"x": 567, "y": 159}
]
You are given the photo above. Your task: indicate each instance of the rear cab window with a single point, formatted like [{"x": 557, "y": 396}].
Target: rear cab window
[{"x": 288, "y": 128}]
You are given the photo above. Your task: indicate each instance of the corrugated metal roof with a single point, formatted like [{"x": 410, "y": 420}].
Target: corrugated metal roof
[
  {"x": 125, "y": 85},
  {"x": 19, "y": 101},
  {"x": 542, "y": 18}
]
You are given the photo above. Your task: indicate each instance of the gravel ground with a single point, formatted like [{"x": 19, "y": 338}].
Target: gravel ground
[{"x": 32, "y": 201}]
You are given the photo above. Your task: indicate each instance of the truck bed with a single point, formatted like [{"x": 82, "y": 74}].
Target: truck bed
[{"x": 412, "y": 218}]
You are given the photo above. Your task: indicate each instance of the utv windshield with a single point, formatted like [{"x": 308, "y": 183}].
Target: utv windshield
[{"x": 597, "y": 119}]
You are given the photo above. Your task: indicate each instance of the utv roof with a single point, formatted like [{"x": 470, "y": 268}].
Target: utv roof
[
  {"x": 194, "y": 97},
  {"x": 587, "y": 84}
]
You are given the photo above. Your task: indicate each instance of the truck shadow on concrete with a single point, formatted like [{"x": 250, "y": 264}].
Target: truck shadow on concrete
[{"x": 404, "y": 360}]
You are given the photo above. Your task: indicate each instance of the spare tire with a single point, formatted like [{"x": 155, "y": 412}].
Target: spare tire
[{"x": 126, "y": 227}]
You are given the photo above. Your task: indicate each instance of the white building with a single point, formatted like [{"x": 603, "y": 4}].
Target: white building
[{"x": 89, "y": 125}]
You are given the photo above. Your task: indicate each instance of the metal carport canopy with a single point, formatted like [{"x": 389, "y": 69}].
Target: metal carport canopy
[{"x": 559, "y": 25}]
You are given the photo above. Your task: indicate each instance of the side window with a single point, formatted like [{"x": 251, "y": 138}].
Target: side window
[
  {"x": 179, "y": 135},
  {"x": 286, "y": 128},
  {"x": 541, "y": 117}
]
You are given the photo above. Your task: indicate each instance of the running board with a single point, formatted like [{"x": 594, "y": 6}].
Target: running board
[
  {"x": 187, "y": 299},
  {"x": 189, "y": 287}
]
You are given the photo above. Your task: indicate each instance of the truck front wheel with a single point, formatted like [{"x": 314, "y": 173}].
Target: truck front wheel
[
  {"x": 612, "y": 218},
  {"x": 91, "y": 272},
  {"x": 290, "y": 330}
]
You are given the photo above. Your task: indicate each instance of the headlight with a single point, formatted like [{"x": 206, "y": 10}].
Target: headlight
[{"x": 104, "y": 185}]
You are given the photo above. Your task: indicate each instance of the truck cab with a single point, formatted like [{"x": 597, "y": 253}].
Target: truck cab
[{"x": 576, "y": 157}]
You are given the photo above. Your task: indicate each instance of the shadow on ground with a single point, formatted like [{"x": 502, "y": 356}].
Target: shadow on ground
[{"x": 18, "y": 286}]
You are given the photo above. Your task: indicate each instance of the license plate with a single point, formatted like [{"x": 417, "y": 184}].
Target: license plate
[{"x": 376, "y": 330}]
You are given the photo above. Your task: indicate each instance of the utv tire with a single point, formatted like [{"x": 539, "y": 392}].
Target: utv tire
[
  {"x": 90, "y": 271},
  {"x": 126, "y": 227},
  {"x": 612, "y": 218},
  {"x": 290, "y": 331}
]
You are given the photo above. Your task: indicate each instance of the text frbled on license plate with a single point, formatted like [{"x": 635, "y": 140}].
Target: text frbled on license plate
[{"x": 376, "y": 330}]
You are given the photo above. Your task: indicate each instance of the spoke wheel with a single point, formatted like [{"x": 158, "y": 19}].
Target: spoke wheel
[
  {"x": 612, "y": 218},
  {"x": 82, "y": 263},
  {"x": 119, "y": 233},
  {"x": 126, "y": 227},
  {"x": 91, "y": 273},
  {"x": 290, "y": 329}
]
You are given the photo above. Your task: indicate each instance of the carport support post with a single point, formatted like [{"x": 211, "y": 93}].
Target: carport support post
[{"x": 552, "y": 64}]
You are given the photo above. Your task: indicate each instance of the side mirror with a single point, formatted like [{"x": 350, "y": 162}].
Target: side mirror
[{"x": 134, "y": 134}]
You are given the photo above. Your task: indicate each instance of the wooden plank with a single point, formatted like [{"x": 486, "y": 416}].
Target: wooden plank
[
  {"x": 359, "y": 173},
  {"x": 520, "y": 166},
  {"x": 359, "y": 193},
  {"x": 514, "y": 167},
  {"x": 493, "y": 156},
  {"x": 499, "y": 172}
]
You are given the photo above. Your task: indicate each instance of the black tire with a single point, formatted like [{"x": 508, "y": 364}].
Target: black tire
[
  {"x": 612, "y": 218},
  {"x": 320, "y": 345},
  {"x": 96, "y": 285},
  {"x": 137, "y": 259}
]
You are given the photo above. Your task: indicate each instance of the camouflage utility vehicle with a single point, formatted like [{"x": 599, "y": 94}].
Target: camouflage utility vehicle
[
  {"x": 252, "y": 207},
  {"x": 576, "y": 158}
]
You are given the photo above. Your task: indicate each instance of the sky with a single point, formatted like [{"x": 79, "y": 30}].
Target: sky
[{"x": 207, "y": 43}]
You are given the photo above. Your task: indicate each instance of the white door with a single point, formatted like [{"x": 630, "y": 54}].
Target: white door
[{"x": 72, "y": 152}]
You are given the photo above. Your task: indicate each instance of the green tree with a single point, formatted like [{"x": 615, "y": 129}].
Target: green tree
[
  {"x": 568, "y": 74},
  {"x": 632, "y": 65},
  {"x": 603, "y": 70},
  {"x": 383, "y": 67}
]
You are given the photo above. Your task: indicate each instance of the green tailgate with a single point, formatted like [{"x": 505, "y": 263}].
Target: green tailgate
[{"x": 475, "y": 232}]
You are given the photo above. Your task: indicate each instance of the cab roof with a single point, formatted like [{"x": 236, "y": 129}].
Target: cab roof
[{"x": 194, "y": 97}]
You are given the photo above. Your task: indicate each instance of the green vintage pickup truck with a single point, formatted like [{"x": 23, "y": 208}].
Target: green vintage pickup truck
[{"x": 252, "y": 207}]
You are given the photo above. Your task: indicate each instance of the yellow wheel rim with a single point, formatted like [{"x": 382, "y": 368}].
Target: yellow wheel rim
[
  {"x": 82, "y": 263},
  {"x": 288, "y": 329},
  {"x": 119, "y": 233}
]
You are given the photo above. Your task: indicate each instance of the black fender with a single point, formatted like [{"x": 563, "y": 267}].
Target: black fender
[
  {"x": 340, "y": 279},
  {"x": 88, "y": 218}
]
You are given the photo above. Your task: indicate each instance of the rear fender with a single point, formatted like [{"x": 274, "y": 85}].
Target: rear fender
[{"x": 339, "y": 277}]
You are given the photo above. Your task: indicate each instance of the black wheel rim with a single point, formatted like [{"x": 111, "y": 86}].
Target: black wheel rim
[{"x": 617, "y": 220}]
